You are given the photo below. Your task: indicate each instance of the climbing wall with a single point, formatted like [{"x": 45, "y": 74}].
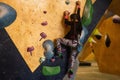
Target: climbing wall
[
  {"x": 106, "y": 57},
  {"x": 33, "y": 18},
  {"x": 115, "y": 7}
]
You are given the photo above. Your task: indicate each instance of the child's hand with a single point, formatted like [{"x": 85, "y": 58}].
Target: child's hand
[
  {"x": 66, "y": 13},
  {"x": 78, "y": 3}
]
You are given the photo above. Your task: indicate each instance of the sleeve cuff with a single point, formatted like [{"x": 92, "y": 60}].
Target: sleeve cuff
[
  {"x": 65, "y": 17},
  {"x": 78, "y": 6}
]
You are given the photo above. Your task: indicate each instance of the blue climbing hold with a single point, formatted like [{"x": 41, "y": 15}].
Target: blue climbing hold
[
  {"x": 7, "y": 15},
  {"x": 49, "y": 47}
]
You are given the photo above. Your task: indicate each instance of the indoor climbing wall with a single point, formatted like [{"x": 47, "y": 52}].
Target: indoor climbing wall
[
  {"x": 37, "y": 19},
  {"x": 106, "y": 51},
  {"x": 109, "y": 56}
]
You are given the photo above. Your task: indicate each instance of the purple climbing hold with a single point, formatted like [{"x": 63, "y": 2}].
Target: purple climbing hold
[
  {"x": 30, "y": 49},
  {"x": 44, "y": 23},
  {"x": 43, "y": 35},
  {"x": 44, "y": 12}
]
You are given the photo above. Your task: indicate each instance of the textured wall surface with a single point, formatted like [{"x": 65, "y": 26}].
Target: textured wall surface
[{"x": 115, "y": 7}]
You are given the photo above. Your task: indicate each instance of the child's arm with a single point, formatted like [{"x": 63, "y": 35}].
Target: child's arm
[{"x": 78, "y": 8}]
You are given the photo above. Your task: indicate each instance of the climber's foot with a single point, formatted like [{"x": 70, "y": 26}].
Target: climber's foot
[
  {"x": 70, "y": 73},
  {"x": 52, "y": 59},
  {"x": 60, "y": 55}
]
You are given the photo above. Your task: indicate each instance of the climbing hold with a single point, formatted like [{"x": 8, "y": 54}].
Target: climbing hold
[
  {"x": 83, "y": 34},
  {"x": 48, "y": 54},
  {"x": 7, "y": 15},
  {"x": 91, "y": 40},
  {"x": 30, "y": 49},
  {"x": 49, "y": 47},
  {"x": 46, "y": 43},
  {"x": 42, "y": 59},
  {"x": 44, "y": 23},
  {"x": 44, "y": 12},
  {"x": 107, "y": 40},
  {"x": 79, "y": 47},
  {"x": 116, "y": 19},
  {"x": 43, "y": 35},
  {"x": 97, "y": 34},
  {"x": 67, "y": 2},
  {"x": 50, "y": 71},
  {"x": 87, "y": 13},
  {"x": 98, "y": 37}
]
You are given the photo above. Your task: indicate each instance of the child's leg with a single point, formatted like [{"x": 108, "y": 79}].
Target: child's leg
[
  {"x": 73, "y": 57},
  {"x": 65, "y": 42},
  {"x": 58, "y": 43},
  {"x": 72, "y": 62}
]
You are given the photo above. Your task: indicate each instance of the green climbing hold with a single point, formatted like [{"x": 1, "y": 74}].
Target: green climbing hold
[
  {"x": 50, "y": 71},
  {"x": 87, "y": 13}
]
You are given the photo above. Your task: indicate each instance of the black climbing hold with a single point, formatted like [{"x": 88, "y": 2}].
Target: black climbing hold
[
  {"x": 98, "y": 37},
  {"x": 83, "y": 63},
  {"x": 107, "y": 40},
  {"x": 116, "y": 19}
]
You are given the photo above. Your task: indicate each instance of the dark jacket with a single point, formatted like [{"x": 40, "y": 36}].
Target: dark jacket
[{"x": 76, "y": 27}]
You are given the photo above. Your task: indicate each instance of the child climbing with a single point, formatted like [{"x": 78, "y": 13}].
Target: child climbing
[{"x": 71, "y": 38}]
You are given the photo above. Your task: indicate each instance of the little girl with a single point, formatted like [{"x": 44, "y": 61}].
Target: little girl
[{"x": 71, "y": 38}]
